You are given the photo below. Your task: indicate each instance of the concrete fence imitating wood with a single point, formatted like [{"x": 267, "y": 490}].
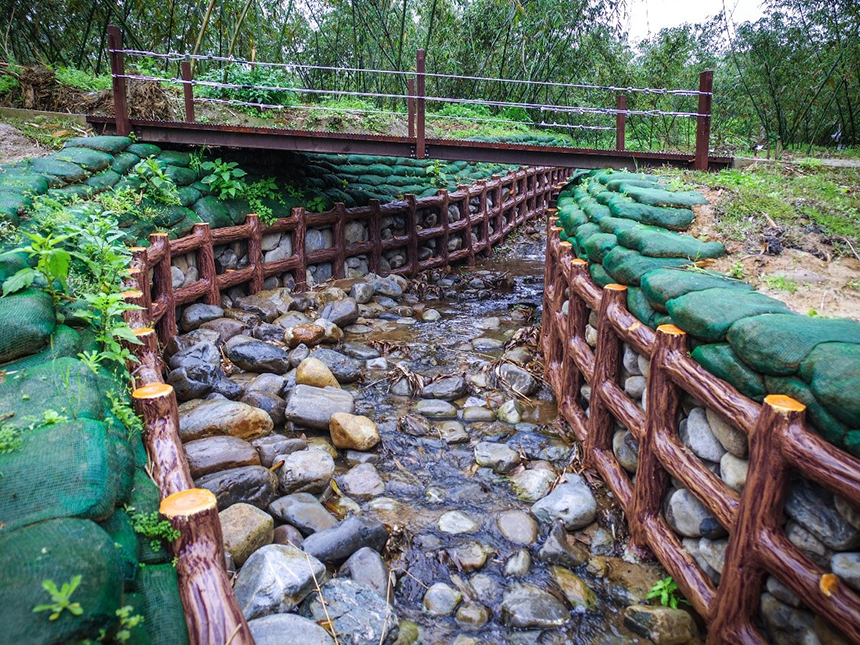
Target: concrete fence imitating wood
[
  {"x": 779, "y": 442},
  {"x": 504, "y": 203}
]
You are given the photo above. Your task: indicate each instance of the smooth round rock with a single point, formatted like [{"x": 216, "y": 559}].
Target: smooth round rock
[{"x": 518, "y": 527}]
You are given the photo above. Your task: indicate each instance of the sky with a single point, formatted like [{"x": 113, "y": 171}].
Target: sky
[{"x": 650, "y": 16}]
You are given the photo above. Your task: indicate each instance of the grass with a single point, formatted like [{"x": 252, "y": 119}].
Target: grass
[
  {"x": 780, "y": 283},
  {"x": 51, "y": 132},
  {"x": 797, "y": 199}
]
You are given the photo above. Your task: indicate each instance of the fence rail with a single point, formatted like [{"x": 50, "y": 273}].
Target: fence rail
[
  {"x": 505, "y": 202},
  {"x": 778, "y": 437}
]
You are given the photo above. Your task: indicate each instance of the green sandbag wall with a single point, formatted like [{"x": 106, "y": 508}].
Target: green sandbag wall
[{"x": 627, "y": 226}]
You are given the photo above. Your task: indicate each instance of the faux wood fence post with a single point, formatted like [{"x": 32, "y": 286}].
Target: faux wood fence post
[
  {"x": 255, "y": 252},
  {"x": 374, "y": 235},
  {"x": 339, "y": 268},
  {"x": 136, "y": 318},
  {"x": 703, "y": 122},
  {"x": 162, "y": 281},
  {"x": 485, "y": 214},
  {"x": 299, "y": 235},
  {"x": 188, "y": 90},
  {"x": 620, "y": 121},
  {"x": 760, "y": 511},
  {"x": 412, "y": 231},
  {"x": 607, "y": 367},
  {"x": 149, "y": 367},
  {"x": 446, "y": 225},
  {"x": 211, "y": 612},
  {"x": 577, "y": 319},
  {"x": 464, "y": 212},
  {"x": 117, "y": 68},
  {"x": 420, "y": 151},
  {"x": 156, "y": 404},
  {"x": 410, "y": 107},
  {"x": 206, "y": 263}
]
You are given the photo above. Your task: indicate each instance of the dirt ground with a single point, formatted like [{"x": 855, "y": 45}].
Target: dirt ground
[
  {"x": 828, "y": 288},
  {"x": 14, "y": 146}
]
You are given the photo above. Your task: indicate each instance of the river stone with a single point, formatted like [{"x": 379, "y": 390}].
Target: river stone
[
  {"x": 560, "y": 548},
  {"x": 245, "y": 529},
  {"x": 441, "y": 600},
  {"x": 478, "y": 413},
  {"x": 308, "y": 334},
  {"x": 533, "y": 484},
  {"x": 732, "y": 439},
  {"x": 269, "y": 383},
  {"x": 510, "y": 412},
  {"x": 219, "y": 453},
  {"x": 221, "y": 417},
  {"x": 334, "y": 545},
  {"x": 353, "y": 432},
  {"x": 517, "y": 379},
  {"x": 271, "y": 447},
  {"x": 487, "y": 344},
  {"x": 696, "y": 434},
  {"x": 456, "y": 523},
  {"x": 367, "y": 567},
  {"x": 303, "y": 511},
  {"x": 258, "y": 356},
  {"x": 472, "y": 616},
  {"x": 782, "y": 592},
  {"x": 813, "y": 507},
  {"x": 253, "y": 485},
  {"x": 292, "y": 319},
  {"x": 344, "y": 368},
  {"x": 808, "y": 543},
  {"x": 259, "y": 306},
  {"x": 341, "y": 313},
  {"x": 574, "y": 588},
  {"x": 471, "y": 556},
  {"x": 571, "y": 502},
  {"x": 536, "y": 445},
  {"x": 787, "y": 625},
  {"x": 447, "y": 388},
  {"x": 361, "y": 292},
  {"x": 496, "y": 456},
  {"x": 387, "y": 286},
  {"x": 226, "y": 328},
  {"x": 313, "y": 407},
  {"x": 663, "y": 625},
  {"x": 195, "y": 315},
  {"x": 518, "y": 564},
  {"x": 271, "y": 403},
  {"x": 288, "y": 629},
  {"x": 306, "y": 471},
  {"x": 714, "y": 552},
  {"x": 517, "y": 527},
  {"x": 332, "y": 334},
  {"x": 312, "y": 371},
  {"x": 362, "y": 482},
  {"x": 202, "y": 380},
  {"x": 358, "y": 615},
  {"x": 847, "y": 567},
  {"x": 436, "y": 409},
  {"x": 453, "y": 432},
  {"x": 626, "y": 450},
  {"x": 634, "y": 387},
  {"x": 630, "y": 360},
  {"x": 275, "y": 579},
  {"x": 529, "y": 607},
  {"x": 733, "y": 471},
  {"x": 687, "y": 516},
  {"x": 198, "y": 354}
]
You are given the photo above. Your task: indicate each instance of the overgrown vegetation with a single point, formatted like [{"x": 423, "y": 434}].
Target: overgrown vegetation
[{"x": 149, "y": 526}]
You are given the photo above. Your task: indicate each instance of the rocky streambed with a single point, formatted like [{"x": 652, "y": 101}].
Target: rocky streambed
[{"x": 389, "y": 467}]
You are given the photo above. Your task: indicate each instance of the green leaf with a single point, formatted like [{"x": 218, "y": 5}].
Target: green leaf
[{"x": 21, "y": 280}]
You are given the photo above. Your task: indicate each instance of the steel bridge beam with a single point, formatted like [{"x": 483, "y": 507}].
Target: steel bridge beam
[{"x": 233, "y": 136}]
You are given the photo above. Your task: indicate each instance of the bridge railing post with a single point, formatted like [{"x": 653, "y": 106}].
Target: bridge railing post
[
  {"x": 188, "y": 90},
  {"x": 410, "y": 107},
  {"x": 620, "y": 121},
  {"x": 117, "y": 69},
  {"x": 419, "y": 105},
  {"x": 703, "y": 121}
]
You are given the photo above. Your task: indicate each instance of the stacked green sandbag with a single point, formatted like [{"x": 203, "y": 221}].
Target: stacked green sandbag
[{"x": 625, "y": 225}]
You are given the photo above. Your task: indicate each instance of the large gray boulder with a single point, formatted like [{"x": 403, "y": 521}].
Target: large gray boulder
[{"x": 312, "y": 407}]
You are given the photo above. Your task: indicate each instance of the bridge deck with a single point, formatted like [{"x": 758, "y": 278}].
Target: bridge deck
[{"x": 235, "y": 136}]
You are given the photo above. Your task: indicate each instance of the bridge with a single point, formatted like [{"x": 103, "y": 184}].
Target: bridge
[{"x": 416, "y": 143}]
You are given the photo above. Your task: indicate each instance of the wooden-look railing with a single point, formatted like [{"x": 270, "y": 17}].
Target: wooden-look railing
[
  {"x": 212, "y": 615},
  {"x": 778, "y": 437}
]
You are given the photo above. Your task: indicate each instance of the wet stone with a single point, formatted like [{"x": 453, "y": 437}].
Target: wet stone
[
  {"x": 626, "y": 450},
  {"x": 517, "y": 527},
  {"x": 312, "y": 371},
  {"x": 344, "y": 368},
  {"x": 286, "y": 534},
  {"x": 245, "y": 529},
  {"x": 517, "y": 379},
  {"x": 536, "y": 445},
  {"x": 341, "y": 313},
  {"x": 527, "y": 606},
  {"x": 219, "y": 453},
  {"x": 510, "y": 412},
  {"x": 214, "y": 418},
  {"x": 814, "y": 508},
  {"x": 436, "y": 409},
  {"x": 572, "y": 502},
  {"x": 453, "y": 432},
  {"x": 575, "y": 590},
  {"x": 274, "y": 446},
  {"x": 485, "y": 344},
  {"x": 441, "y": 600},
  {"x": 253, "y": 485},
  {"x": 357, "y": 614},
  {"x": 306, "y": 471},
  {"x": 275, "y": 579},
  {"x": 363, "y": 482},
  {"x": 518, "y": 564},
  {"x": 447, "y": 389},
  {"x": 472, "y": 616},
  {"x": 271, "y": 630},
  {"x": 497, "y": 456},
  {"x": 560, "y": 548},
  {"x": 303, "y": 511},
  {"x": 359, "y": 351},
  {"x": 533, "y": 484},
  {"x": 663, "y": 625},
  {"x": 361, "y": 292},
  {"x": 272, "y": 404},
  {"x": 475, "y": 413},
  {"x": 367, "y": 567},
  {"x": 456, "y": 523},
  {"x": 353, "y": 431},
  {"x": 787, "y": 625},
  {"x": 335, "y": 545},
  {"x": 471, "y": 556},
  {"x": 195, "y": 315},
  {"x": 313, "y": 407}
]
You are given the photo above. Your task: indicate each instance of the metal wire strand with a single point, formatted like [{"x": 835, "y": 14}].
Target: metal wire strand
[
  {"x": 177, "y": 56},
  {"x": 439, "y": 99}
]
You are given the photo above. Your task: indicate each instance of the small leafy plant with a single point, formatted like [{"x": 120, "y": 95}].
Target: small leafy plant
[
  {"x": 149, "y": 526},
  {"x": 127, "y": 622},
  {"x": 60, "y": 598},
  {"x": 157, "y": 184},
  {"x": 52, "y": 265},
  {"x": 435, "y": 173},
  {"x": 225, "y": 178},
  {"x": 666, "y": 590},
  {"x": 317, "y": 204},
  {"x": 780, "y": 282},
  {"x": 10, "y": 439}
]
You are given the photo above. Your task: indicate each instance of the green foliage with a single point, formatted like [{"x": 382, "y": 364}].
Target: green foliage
[
  {"x": 60, "y": 598},
  {"x": 8, "y": 83},
  {"x": 120, "y": 408},
  {"x": 52, "y": 266},
  {"x": 158, "y": 185},
  {"x": 52, "y": 417},
  {"x": 225, "y": 178},
  {"x": 257, "y": 191},
  {"x": 736, "y": 271},
  {"x": 255, "y": 81},
  {"x": 83, "y": 80},
  {"x": 317, "y": 205},
  {"x": 10, "y": 438},
  {"x": 780, "y": 282},
  {"x": 127, "y": 622},
  {"x": 149, "y": 526},
  {"x": 105, "y": 317},
  {"x": 666, "y": 590},
  {"x": 436, "y": 174}
]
